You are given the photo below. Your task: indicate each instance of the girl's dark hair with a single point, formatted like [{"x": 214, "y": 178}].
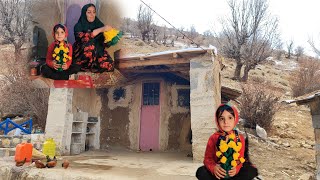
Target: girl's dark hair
[
  {"x": 224, "y": 108},
  {"x": 56, "y": 27}
]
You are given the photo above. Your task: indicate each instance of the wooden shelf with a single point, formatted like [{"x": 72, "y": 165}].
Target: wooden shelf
[
  {"x": 76, "y": 132},
  {"x": 76, "y": 143},
  {"x": 77, "y": 121},
  {"x": 90, "y": 133},
  {"x": 91, "y": 122}
]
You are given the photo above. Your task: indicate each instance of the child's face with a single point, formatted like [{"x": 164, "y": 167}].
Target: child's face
[
  {"x": 91, "y": 14},
  {"x": 226, "y": 121},
  {"x": 59, "y": 35}
]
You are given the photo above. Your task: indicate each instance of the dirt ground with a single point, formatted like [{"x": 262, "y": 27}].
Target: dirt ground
[{"x": 116, "y": 164}]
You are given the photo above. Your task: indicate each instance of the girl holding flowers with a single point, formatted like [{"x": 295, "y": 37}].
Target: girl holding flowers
[
  {"x": 225, "y": 152},
  {"x": 59, "y": 56}
]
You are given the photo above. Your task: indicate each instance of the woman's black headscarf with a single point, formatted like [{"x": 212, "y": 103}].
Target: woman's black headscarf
[{"x": 83, "y": 24}]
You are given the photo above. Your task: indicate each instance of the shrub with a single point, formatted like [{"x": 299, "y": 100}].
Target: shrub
[
  {"x": 305, "y": 78},
  {"x": 259, "y": 104}
]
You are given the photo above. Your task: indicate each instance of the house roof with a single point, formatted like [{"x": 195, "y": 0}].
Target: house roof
[
  {"x": 174, "y": 61},
  {"x": 230, "y": 92},
  {"x": 305, "y": 98}
]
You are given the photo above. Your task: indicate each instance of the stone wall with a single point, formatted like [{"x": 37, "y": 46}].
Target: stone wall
[
  {"x": 9, "y": 143},
  {"x": 204, "y": 99},
  {"x": 59, "y": 119}
]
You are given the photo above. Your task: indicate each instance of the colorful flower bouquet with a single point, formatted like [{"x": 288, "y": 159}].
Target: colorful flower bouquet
[
  {"x": 112, "y": 37},
  {"x": 228, "y": 153},
  {"x": 60, "y": 54}
]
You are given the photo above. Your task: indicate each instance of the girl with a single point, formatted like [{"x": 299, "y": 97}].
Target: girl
[
  {"x": 59, "y": 56},
  {"x": 89, "y": 49},
  {"x": 226, "y": 118}
]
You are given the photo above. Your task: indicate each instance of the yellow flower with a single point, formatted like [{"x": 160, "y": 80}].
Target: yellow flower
[
  {"x": 232, "y": 136},
  {"x": 237, "y": 148},
  {"x": 223, "y": 160},
  {"x": 70, "y": 57},
  {"x": 239, "y": 144},
  {"x": 218, "y": 153},
  {"x": 64, "y": 60},
  {"x": 234, "y": 163},
  {"x": 61, "y": 44},
  {"x": 223, "y": 147},
  {"x": 232, "y": 144},
  {"x": 242, "y": 160},
  {"x": 222, "y": 142},
  {"x": 236, "y": 156},
  {"x": 56, "y": 50},
  {"x": 57, "y": 58},
  {"x": 54, "y": 55},
  {"x": 109, "y": 35}
]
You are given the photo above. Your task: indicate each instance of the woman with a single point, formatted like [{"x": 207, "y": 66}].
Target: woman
[{"x": 89, "y": 49}]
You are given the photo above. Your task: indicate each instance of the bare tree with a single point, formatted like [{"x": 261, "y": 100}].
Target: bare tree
[
  {"x": 290, "y": 48},
  {"x": 193, "y": 32},
  {"x": 248, "y": 35},
  {"x": 299, "y": 52},
  {"x": 207, "y": 33},
  {"x": 15, "y": 21},
  {"x": 164, "y": 35},
  {"x": 313, "y": 46},
  {"x": 155, "y": 32},
  {"x": 126, "y": 24},
  {"x": 279, "y": 51},
  {"x": 145, "y": 18}
]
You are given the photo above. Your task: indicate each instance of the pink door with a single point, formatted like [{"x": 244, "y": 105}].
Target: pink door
[
  {"x": 150, "y": 116},
  {"x": 73, "y": 12}
]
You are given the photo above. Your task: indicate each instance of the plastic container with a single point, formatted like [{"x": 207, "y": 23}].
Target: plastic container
[
  {"x": 23, "y": 151},
  {"x": 49, "y": 148}
]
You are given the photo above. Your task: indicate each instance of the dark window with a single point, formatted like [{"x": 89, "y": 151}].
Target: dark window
[
  {"x": 184, "y": 97},
  {"x": 151, "y": 92},
  {"x": 119, "y": 93}
]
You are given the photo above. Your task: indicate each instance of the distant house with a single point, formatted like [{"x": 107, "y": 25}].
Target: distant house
[{"x": 313, "y": 100}]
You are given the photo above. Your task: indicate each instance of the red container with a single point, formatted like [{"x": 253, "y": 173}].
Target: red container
[{"x": 23, "y": 150}]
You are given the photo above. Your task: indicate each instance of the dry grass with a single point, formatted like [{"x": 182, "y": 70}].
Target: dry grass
[{"x": 17, "y": 95}]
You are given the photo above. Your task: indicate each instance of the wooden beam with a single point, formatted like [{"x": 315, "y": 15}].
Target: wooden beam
[
  {"x": 153, "y": 62},
  {"x": 176, "y": 55},
  {"x": 182, "y": 75},
  {"x": 177, "y": 69}
]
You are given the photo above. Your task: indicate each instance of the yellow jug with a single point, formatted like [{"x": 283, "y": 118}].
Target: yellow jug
[{"x": 49, "y": 148}]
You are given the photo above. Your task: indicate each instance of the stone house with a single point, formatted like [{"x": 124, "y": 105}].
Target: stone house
[
  {"x": 47, "y": 13},
  {"x": 165, "y": 97},
  {"x": 313, "y": 101}
]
